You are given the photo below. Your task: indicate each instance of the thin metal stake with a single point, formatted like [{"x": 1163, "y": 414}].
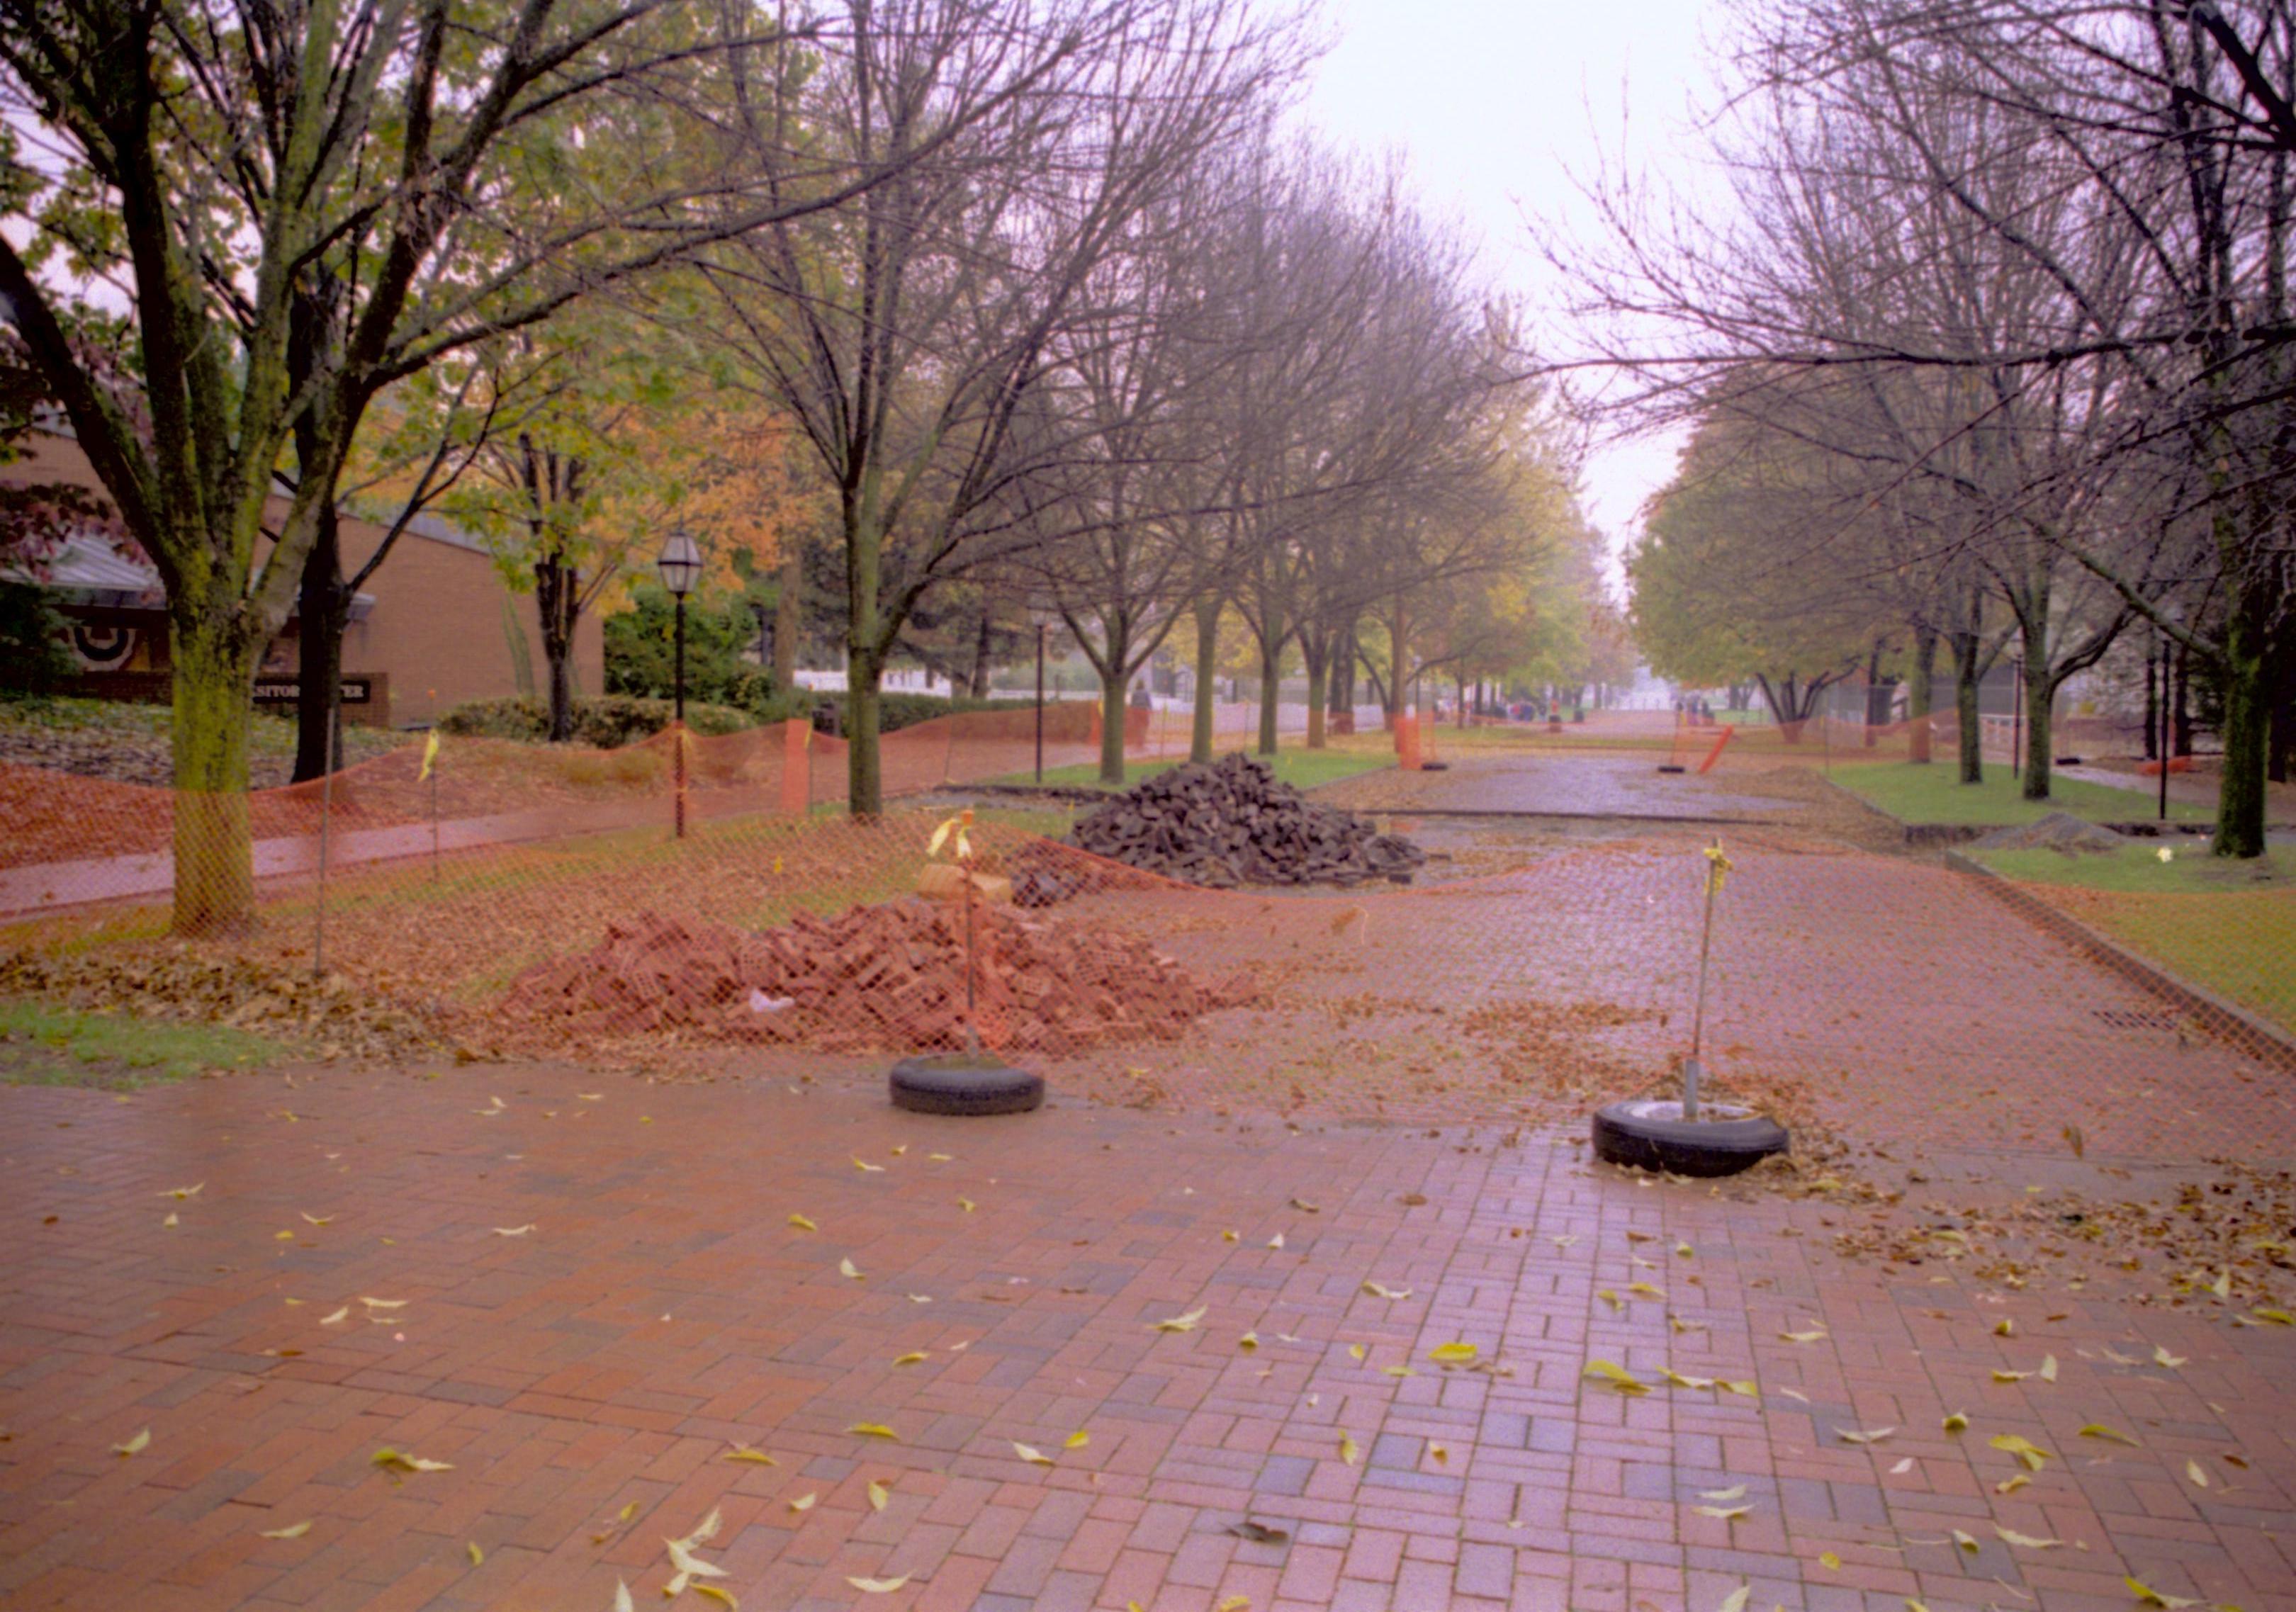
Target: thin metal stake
[
  {"x": 971, "y": 1010},
  {"x": 1690, "y": 1069},
  {"x": 326, "y": 806}
]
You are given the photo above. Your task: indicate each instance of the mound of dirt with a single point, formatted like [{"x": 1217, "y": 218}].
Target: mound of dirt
[
  {"x": 885, "y": 977},
  {"x": 2057, "y": 831},
  {"x": 1231, "y": 823}
]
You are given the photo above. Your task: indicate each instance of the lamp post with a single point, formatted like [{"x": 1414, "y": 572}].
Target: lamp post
[{"x": 680, "y": 566}]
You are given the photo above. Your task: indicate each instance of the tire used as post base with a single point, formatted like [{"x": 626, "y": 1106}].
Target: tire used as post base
[
  {"x": 1650, "y": 1134},
  {"x": 964, "y": 1085}
]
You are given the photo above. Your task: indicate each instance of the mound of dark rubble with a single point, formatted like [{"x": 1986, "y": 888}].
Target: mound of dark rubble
[
  {"x": 1231, "y": 823},
  {"x": 2056, "y": 831}
]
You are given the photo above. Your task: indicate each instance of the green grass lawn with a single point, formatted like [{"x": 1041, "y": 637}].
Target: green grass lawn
[
  {"x": 41, "y": 1045},
  {"x": 2226, "y": 926},
  {"x": 1301, "y": 769},
  {"x": 1932, "y": 793}
]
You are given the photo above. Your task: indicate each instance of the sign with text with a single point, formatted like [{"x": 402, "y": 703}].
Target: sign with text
[{"x": 288, "y": 690}]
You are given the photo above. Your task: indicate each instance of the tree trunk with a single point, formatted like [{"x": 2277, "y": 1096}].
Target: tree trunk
[
  {"x": 214, "y": 671},
  {"x": 1340, "y": 674},
  {"x": 1111, "y": 709},
  {"x": 323, "y": 606},
  {"x": 558, "y": 600},
  {"x": 2181, "y": 718},
  {"x": 1316, "y": 652},
  {"x": 789, "y": 620},
  {"x": 976, "y": 684},
  {"x": 2040, "y": 701},
  {"x": 2282, "y": 680},
  {"x": 2152, "y": 702},
  {"x": 1200, "y": 735},
  {"x": 865, "y": 775},
  {"x": 1920, "y": 694},
  {"x": 1271, "y": 690},
  {"x": 1969, "y": 720},
  {"x": 321, "y": 611},
  {"x": 2247, "y": 722}
]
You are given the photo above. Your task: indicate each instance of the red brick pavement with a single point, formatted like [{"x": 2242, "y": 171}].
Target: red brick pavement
[{"x": 663, "y": 1308}]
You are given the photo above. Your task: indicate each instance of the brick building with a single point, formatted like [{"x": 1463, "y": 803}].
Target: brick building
[{"x": 435, "y": 625}]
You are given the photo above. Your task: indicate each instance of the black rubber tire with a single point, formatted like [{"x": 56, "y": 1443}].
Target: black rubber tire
[
  {"x": 962, "y": 1086},
  {"x": 1625, "y": 1134},
  {"x": 1668, "y": 766}
]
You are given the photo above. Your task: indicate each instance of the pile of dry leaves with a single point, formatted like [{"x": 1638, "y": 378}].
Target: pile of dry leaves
[
  {"x": 327, "y": 1018},
  {"x": 2226, "y": 1241}
]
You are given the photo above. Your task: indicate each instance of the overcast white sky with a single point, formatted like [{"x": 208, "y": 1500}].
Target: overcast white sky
[{"x": 1496, "y": 102}]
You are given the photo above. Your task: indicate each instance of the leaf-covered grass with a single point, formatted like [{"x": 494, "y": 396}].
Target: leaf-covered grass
[
  {"x": 43, "y": 1046},
  {"x": 130, "y": 742},
  {"x": 1932, "y": 792},
  {"x": 2136, "y": 869},
  {"x": 2227, "y": 926},
  {"x": 1301, "y": 769}
]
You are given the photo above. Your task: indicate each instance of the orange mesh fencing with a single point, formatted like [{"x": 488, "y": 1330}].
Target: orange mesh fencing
[{"x": 537, "y": 901}]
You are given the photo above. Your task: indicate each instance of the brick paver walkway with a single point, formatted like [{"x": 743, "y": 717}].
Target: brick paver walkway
[{"x": 586, "y": 1377}]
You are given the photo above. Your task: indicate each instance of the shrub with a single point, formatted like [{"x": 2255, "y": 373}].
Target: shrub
[
  {"x": 33, "y": 658},
  {"x": 606, "y": 724}
]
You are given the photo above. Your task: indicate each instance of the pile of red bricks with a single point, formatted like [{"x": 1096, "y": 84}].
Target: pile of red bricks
[{"x": 889, "y": 977}]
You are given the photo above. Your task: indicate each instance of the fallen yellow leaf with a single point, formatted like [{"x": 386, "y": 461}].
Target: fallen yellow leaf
[
  {"x": 2048, "y": 1368},
  {"x": 880, "y": 1497},
  {"x": 1616, "y": 1375},
  {"x": 1032, "y": 1455},
  {"x": 1726, "y": 1513},
  {"x": 1377, "y": 1290},
  {"x": 1348, "y": 1449},
  {"x": 803, "y": 1502},
  {"x": 135, "y": 1445},
  {"x": 873, "y": 1429},
  {"x": 846, "y": 1267},
  {"x": 1453, "y": 1353},
  {"x": 756, "y": 1458},
  {"x": 1967, "y": 1542},
  {"x": 2097, "y": 1429},
  {"x": 1863, "y": 1435},
  {"x": 478, "y": 1557},
  {"x": 1077, "y": 1440},
  {"x": 803, "y": 1224},
  {"x": 2197, "y": 1473},
  {"x": 1802, "y": 1337},
  {"x": 395, "y": 1461},
  {"x": 2022, "y": 1448},
  {"x": 292, "y": 1531},
  {"x": 878, "y": 1586},
  {"x": 2010, "y": 1536},
  {"x": 2151, "y": 1597},
  {"x": 1734, "y": 1492},
  {"x": 1735, "y": 1601},
  {"x": 716, "y": 1594},
  {"x": 1829, "y": 1561},
  {"x": 1956, "y": 1423},
  {"x": 514, "y": 1230},
  {"x": 2162, "y": 1357},
  {"x": 910, "y": 1359}
]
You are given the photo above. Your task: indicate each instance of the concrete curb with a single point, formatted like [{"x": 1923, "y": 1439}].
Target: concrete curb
[{"x": 2244, "y": 1030}]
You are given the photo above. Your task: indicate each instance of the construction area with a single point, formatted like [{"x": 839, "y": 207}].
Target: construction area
[{"x": 569, "y": 1246}]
